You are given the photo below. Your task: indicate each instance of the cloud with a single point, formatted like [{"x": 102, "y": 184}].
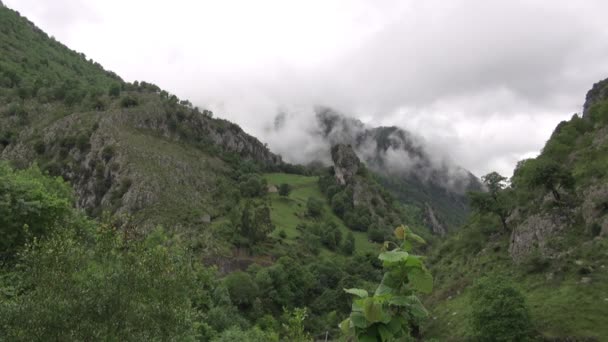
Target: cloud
[{"x": 483, "y": 82}]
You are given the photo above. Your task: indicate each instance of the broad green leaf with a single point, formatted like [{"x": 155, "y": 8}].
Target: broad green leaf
[
  {"x": 367, "y": 337},
  {"x": 358, "y": 305},
  {"x": 357, "y": 292},
  {"x": 420, "y": 280},
  {"x": 400, "y": 301},
  {"x": 418, "y": 310},
  {"x": 382, "y": 290},
  {"x": 393, "y": 256},
  {"x": 385, "y": 333},
  {"x": 345, "y": 326},
  {"x": 372, "y": 310},
  {"x": 396, "y": 324},
  {"x": 414, "y": 261},
  {"x": 407, "y": 245},
  {"x": 358, "y": 320},
  {"x": 393, "y": 279},
  {"x": 415, "y": 237}
]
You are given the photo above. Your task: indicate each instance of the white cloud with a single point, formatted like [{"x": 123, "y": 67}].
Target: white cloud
[{"x": 483, "y": 82}]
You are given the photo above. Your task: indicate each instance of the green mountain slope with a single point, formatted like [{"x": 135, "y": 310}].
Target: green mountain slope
[
  {"x": 126, "y": 148},
  {"x": 555, "y": 246},
  {"x": 404, "y": 165},
  {"x": 156, "y": 175}
]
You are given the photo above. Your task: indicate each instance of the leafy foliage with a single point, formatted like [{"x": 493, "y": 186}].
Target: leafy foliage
[
  {"x": 393, "y": 311},
  {"x": 31, "y": 205},
  {"x": 499, "y": 311},
  {"x": 284, "y": 189},
  {"x": 497, "y": 200},
  {"x": 552, "y": 176},
  {"x": 314, "y": 207}
]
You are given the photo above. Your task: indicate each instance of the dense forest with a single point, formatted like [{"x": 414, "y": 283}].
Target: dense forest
[{"x": 130, "y": 214}]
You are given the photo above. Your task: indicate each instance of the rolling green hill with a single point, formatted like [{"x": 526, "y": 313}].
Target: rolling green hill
[{"x": 288, "y": 212}]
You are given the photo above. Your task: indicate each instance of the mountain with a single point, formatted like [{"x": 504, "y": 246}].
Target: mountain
[
  {"x": 553, "y": 242},
  {"x": 127, "y": 148},
  {"x": 176, "y": 211},
  {"x": 404, "y": 165}
]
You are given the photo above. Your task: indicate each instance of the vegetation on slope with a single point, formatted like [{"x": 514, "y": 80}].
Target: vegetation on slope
[{"x": 545, "y": 230}]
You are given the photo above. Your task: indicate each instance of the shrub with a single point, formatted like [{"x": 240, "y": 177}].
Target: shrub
[
  {"x": 498, "y": 311},
  {"x": 128, "y": 101},
  {"x": 40, "y": 147},
  {"x": 314, "y": 207},
  {"x": 114, "y": 90},
  {"x": 108, "y": 152},
  {"x": 243, "y": 290},
  {"x": 348, "y": 247},
  {"x": 24, "y": 193},
  {"x": 282, "y": 234},
  {"x": 284, "y": 189}
]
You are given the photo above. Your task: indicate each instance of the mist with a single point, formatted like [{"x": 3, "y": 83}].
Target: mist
[{"x": 479, "y": 84}]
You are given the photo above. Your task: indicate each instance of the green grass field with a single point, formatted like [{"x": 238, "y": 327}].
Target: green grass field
[{"x": 288, "y": 212}]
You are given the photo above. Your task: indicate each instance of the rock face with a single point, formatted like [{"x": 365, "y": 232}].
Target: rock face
[
  {"x": 598, "y": 92},
  {"x": 433, "y": 222},
  {"x": 140, "y": 161},
  {"x": 595, "y": 207},
  {"x": 346, "y": 163},
  {"x": 404, "y": 166},
  {"x": 534, "y": 232}
]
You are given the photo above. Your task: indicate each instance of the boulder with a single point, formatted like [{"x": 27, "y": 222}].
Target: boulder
[
  {"x": 346, "y": 163},
  {"x": 533, "y": 233}
]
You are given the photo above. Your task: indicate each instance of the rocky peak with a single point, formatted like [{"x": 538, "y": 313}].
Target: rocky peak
[
  {"x": 598, "y": 92},
  {"x": 346, "y": 163}
]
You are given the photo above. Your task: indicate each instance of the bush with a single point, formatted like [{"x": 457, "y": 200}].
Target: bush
[
  {"x": 499, "y": 311},
  {"x": 314, "y": 207},
  {"x": 284, "y": 189},
  {"x": 114, "y": 90},
  {"x": 108, "y": 152},
  {"x": 40, "y": 147},
  {"x": 348, "y": 247},
  {"x": 32, "y": 204},
  {"x": 128, "y": 101},
  {"x": 243, "y": 290},
  {"x": 253, "y": 186},
  {"x": 282, "y": 234}
]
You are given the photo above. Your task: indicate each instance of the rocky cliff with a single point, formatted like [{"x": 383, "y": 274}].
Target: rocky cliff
[
  {"x": 129, "y": 148},
  {"x": 404, "y": 166}
]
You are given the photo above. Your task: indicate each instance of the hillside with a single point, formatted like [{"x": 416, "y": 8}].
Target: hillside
[
  {"x": 554, "y": 246},
  {"x": 126, "y": 148},
  {"x": 435, "y": 186},
  {"x": 179, "y": 217},
  {"x": 128, "y": 214}
]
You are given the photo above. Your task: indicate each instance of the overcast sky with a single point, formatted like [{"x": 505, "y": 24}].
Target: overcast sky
[{"x": 484, "y": 82}]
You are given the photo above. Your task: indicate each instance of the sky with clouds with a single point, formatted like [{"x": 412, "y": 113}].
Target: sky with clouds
[{"x": 482, "y": 82}]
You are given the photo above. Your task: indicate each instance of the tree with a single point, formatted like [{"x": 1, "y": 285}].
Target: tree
[
  {"x": 331, "y": 236},
  {"x": 114, "y": 90},
  {"x": 348, "y": 247},
  {"x": 497, "y": 200},
  {"x": 314, "y": 207},
  {"x": 252, "y": 185},
  {"x": 255, "y": 222},
  {"x": 284, "y": 189},
  {"x": 498, "y": 311},
  {"x": 31, "y": 205},
  {"x": 117, "y": 290},
  {"x": 341, "y": 203},
  {"x": 241, "y": 287},
  {"x": 129, "y": 101},
  {"x": 552, "y": 176}
]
